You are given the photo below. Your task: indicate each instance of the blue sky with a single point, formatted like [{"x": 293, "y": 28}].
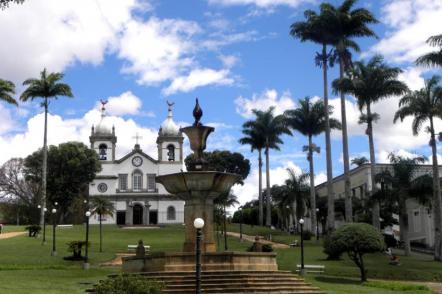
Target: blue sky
[{"x": 235, "y": 55}]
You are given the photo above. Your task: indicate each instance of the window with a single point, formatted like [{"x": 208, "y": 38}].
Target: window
[
  {"x": 171, "y": 152},
  {"x": 122, "y": 181},
  {"x": 137, "y": 181},
  {"x": 171, "y": 215},
  {"x": 417, "y": 221},
  {"x": 151, "y": 185},
  {"x": 102, "y": 152}
]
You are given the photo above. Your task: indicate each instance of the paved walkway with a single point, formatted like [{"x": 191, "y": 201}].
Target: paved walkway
[
  {"x": 11, "y": 235},
  {"x": 252, "y": 239}
]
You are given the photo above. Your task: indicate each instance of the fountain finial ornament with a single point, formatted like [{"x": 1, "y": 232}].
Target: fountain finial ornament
[{"x": 197, "y": 114}]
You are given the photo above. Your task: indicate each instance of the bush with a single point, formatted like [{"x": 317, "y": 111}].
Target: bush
[
  {"x": 128, "y": 284},
  {"x": 75, "y": 247},
  {"x": 358, "y": 239},
  {"x": 267, "y": 248},
  {"x": 307, "y": 235},
  {"x": 33, "y": 230},
  {"x": 331, "y": 249}
]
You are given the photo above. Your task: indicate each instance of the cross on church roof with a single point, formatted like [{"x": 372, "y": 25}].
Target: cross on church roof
[{"x": 136, "y": 137}]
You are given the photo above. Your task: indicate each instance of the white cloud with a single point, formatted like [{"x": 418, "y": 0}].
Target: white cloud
[
  {"x": 263, "y": 101},
  {"x": 22, "y": 143},
  {"x": 249, "y": 190},
  {"x": 197, "y": 78},
  {"x": 126, "y": 103},
  {"x": 56, "y": 34},
  {"x": 229, "y": 60},
  {"x": 410, "y": 23},
  {"x": 259, "y": 3}
]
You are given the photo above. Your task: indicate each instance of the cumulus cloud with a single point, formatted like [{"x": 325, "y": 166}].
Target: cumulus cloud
[
  {"x": 409, "y": 24},
  {"x": 259, "y": 3},
  {"x": 126, "y": 103},
  {"x": 56, "y": 34},
  {"x": 22, "y": 143},
  {"x": 263, "y": 101}
]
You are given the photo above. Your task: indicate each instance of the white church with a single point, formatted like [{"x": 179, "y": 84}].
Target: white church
[{"x": 129, "y": 182}]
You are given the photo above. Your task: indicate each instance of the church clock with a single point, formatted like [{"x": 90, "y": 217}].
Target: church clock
[{"x": 137, "y": 161}]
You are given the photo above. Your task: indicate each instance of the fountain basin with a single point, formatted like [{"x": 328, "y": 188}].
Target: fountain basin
[{"x": 213, "y": 261}]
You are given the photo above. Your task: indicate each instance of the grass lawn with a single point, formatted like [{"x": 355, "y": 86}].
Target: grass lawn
[{"x": 26, "y": 265}]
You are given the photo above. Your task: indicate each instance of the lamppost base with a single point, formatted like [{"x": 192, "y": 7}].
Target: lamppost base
[
  {"x": 302, "y": 272},
  {"x": 86, "y": 265},
  {"x": 53, "y": 253}
]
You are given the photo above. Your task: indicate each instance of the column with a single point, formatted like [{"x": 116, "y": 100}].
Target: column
[{"x": 129, "y": 213}]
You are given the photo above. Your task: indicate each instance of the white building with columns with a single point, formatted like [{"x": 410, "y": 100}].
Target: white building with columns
[{"x": 129, "y": 182}]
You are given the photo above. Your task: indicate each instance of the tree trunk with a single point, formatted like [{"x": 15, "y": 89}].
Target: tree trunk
[
  {"x": 225, "y": 229},
  {"x": 362, "y": 269},
  {"x": 268, "y": 202},
  {"x": 348, "y": 200},
  {"x": 260, "y": 196},
  {"x": 330, "y": 190},
  {"x": 44, "y": 164},
  {"x": 101, "y": 234},
  {"x": 437, "y": 205},
  {"x": 376, "y": 210},
  {"x": 403, "y": 224},
  {"x": 312, "y": 186},
  {"x": 294, "y": 215}
]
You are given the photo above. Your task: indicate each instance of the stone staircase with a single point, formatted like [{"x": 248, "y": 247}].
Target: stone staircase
[{"x": 238, "y": 282}]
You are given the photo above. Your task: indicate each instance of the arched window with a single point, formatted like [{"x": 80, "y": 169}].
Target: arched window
[
  {"x": 102, "y": 152},
  {"x": 171, "y": 152},
  {"x": 171, "y": 215},
  {"x": 137, "y": 180}
]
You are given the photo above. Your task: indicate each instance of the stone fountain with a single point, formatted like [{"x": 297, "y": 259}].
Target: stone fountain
[{"x": 198, "y": 187}]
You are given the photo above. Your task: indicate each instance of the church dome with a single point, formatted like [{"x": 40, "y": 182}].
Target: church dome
[
  {"x": 169, "y": 127},
  {"x": 104, "y": 126}
]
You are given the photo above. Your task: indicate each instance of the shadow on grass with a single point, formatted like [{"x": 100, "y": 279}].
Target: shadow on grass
[{"x": 338, "y": 280}]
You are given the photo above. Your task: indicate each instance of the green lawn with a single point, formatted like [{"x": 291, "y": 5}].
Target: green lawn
[{"x": 26, "y": 265}]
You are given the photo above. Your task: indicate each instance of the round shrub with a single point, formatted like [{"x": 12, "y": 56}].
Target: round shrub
[
  {"x": 331, "y": 249},
  {"x": 307, "y": 235},
  {"x": 267, "y": 248},
  {"x": 128, "y": 284}
]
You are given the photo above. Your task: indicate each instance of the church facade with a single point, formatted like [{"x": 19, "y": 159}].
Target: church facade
[{"x": 129, "y": 182}]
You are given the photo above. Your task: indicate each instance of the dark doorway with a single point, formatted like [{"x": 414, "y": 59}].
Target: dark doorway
[
  {"x": 153, "y": 217},
  {"x": 138, "y": 215},
  {"x": 121, "y": 218}
]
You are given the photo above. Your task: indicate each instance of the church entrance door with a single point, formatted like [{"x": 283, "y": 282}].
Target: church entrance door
[
  {"x": 137, "y": 214},
  {"x": 153, "y": 217},
  {"x": 121, "y": 218}
]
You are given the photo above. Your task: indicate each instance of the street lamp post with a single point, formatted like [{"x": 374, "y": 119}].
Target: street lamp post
[
  {"x": 86, "y": 256},
  {"x": 54, "y": 251},
  {"x": 317, "y": 224},
  {"x": 301, "y": 223},
  {"x": 198, "y": 223},
  {"x": 240, "y": 224},
  {"x": 44, "y": 224}
]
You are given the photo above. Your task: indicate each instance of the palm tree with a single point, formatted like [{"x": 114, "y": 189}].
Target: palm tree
[
  {"x": 47, "y": 87},
  {"x": 102, "y": 206},
  {"x": 347, "y": 24},
  {"x": 404, "y": 185},
  {"x": 309, "y": 120},
  {"x": 316, "y": 29},
  {"x": 7, "y": 89},
  {"x": 358, "y": 161},
  {"x": 256, "y": 141},
  {"x": 226, "y": 200},
  {"x": 369, "y": 83},
  {"x": 271, "y": 127},
  {"x": 425, "y": 105},
  {"x": 433, "y": 58},
  {"x": 298, "y": 195}
]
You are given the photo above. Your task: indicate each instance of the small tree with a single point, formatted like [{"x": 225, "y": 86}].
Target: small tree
[
  {"x": 102, "y": 207},
  {"x": 358, "y": 239}
]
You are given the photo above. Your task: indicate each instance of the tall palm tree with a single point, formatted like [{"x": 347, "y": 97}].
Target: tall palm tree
[
  {"x": 316, "y": 29},
  {"x": 47, "y": 87},
  {"x": 7, "y": 89},
  {"x": 102, "y": 206},
  {"x": 433, "y": 58},
  {"x": 223, "y": 201},
  {"x": 358, "y": 161},
  {"x": 405, "y": 184},
  {"x": 369, "y": 83},
  {"x": 256, "y": 141},
  {"x": 271, "y": 127},
  {"x": 298, "y": 193},
  {"x": 425, "y": 105},
  {"x": 347, "y": 23},
  {"x": 309, "y": 120}
]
